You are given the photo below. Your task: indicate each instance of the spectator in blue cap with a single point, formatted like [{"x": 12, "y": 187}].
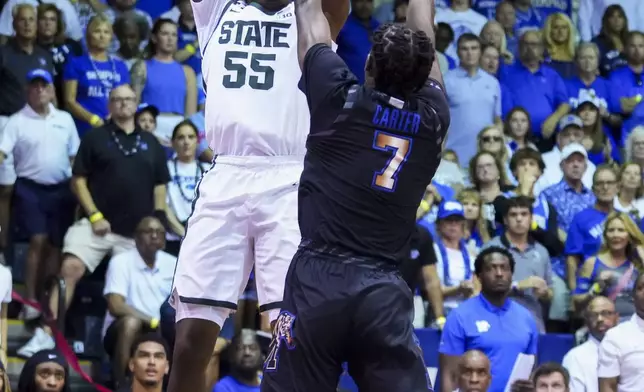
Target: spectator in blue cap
[
  {"x": 146, "y": 117},
  {"x": 570, "y": 130},
  {"x": 454, "y": 261}
]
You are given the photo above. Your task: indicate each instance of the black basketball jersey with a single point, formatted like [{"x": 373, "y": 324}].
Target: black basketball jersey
[{"x": 369, "y": 159}]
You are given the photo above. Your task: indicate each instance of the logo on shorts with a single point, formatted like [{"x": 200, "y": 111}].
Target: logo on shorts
[{"x": 282, "y": 334}]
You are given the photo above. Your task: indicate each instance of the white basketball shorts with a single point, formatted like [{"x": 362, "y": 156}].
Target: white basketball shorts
[{"x": 245, "y": 214}]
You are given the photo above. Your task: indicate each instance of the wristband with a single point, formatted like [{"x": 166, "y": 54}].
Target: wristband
[
  {"x": 95, "y": 217},
  {"x": 424, "y": 205},
  {"x": 190, "y": 49},
  {"x": 94, "y": 120},
  {"x": 441, "y": 322},
  {"x": 595, "y": 288},
  {"x": 154, "y": 323}
]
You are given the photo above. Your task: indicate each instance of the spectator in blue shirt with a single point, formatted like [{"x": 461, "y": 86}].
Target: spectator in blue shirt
[
  {"x": 489, "y": 322},
  {"x": 585, "y": 232},
  {"x": 245, "y": 363},
  {"x": 354, "y": 40},
  {"x": 528, "y": 17},
  {"x": 474, "y": 99},
  {"x": 537, "y": 87},
  {"x": 90, "y": 78},
  {"x": 560, "y": 38},
  {"x": 629, "y": 85},
  {"x": 188, "y": 53}
]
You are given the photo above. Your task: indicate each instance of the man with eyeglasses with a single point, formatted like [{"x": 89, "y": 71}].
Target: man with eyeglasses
[
  {"x": 582, "y": 361},
  {"x": 119, "y": 177}
]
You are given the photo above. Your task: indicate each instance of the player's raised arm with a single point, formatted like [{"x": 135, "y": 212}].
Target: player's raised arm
[
  {"x": 420, "y": 16},
  {"x": 336, "y": 12},
  {"x": 312, "y": 27},
  {"x": 207, "y": 14}
]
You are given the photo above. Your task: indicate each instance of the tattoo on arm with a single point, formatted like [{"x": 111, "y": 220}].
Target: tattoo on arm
[{"x": 137, "y": 75}]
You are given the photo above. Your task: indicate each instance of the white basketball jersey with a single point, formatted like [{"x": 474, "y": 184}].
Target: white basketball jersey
[{"x": 251, "y": 74}]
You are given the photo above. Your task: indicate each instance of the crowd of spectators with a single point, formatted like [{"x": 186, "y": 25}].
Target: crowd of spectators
[{"x": 532, "y": 224}]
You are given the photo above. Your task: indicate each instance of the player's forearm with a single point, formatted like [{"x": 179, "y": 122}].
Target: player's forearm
[
  {"x": 80, "y": 189},
  {"x": 160, "y": 197},
  {"x": 312, "y": 27},
  {"x": 336, "y": 12},
  {"x": 420, "y": 17}
]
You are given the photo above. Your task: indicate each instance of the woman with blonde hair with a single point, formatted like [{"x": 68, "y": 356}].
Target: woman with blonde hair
[
  {"x": 491, "y": 139},
  {"x": 493, "y": 34},
  {"x": 90, "y": 77},
  {"x": 615, "y": 268},
  {"x": 559, "y": 37},
  {"x": 476, "y": 229}
]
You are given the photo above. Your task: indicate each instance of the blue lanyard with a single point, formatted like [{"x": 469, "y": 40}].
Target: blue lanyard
[{"x": 466, "y": 259}]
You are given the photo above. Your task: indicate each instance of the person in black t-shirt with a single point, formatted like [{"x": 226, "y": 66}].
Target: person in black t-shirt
[
  {"x": 418, "y": 269},
  {"x": 371, "y": 152}
]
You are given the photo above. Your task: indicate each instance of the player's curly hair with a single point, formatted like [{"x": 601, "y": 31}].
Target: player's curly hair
[{"x": 401, "y": 59}]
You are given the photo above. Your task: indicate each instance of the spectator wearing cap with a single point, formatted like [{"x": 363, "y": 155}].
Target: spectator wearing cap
[
  {"x": 474, "y": 99},
  {"x": 587, "y": 227},
  {"x": 454, "y": 259},
  {"x": 73, "y": 27},
  {"x": 592, "y": 15},
  {"x": 489, "y": 322},
  {"x": 136, "y": 285},
  {"x": 119, "y": 177},
  {"x": 17, "y": 58},
  {"x": 629, "y": 85},
  {"x": 51, "y": 36},
  {"x": 532, "y": 276},
  {"x": 598, "y": 140},
  {"x": 162, "y": 81},
  {"x": 536, "y": 87},
  {"x": 146, "y": 117},
  {"x": 46, "y": 370},
  {"x": 462, "y": 19},
  {"x": 90, "y": 78},
  {"x": 582, "y": 361},
  {"x": 589, "y": 83},
  {"x": 43, "y": 142},
  {"x": 570, "y": 131}
]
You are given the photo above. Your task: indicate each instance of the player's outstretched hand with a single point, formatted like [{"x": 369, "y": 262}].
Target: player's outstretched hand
[{"x": 101, "y": 227}]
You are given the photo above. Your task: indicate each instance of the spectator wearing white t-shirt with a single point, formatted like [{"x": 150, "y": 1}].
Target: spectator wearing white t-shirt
[
  {"x": 137, "y": 283},
  {"x": 621, "y": 352},
  {"x": 185, "y": 173},
  {"x": 6, "y": 282},
  {"x": 462, "y": 19}
]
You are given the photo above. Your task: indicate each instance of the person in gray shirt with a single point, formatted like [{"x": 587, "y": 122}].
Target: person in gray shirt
[{"x": 532, "y": 278}]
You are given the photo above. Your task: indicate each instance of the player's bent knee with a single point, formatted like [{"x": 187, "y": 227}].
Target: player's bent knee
[{"x": 202, "y": 312}]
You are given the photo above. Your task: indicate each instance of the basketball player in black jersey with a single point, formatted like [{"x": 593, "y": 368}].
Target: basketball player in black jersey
[{"x": 371, "y": 152}]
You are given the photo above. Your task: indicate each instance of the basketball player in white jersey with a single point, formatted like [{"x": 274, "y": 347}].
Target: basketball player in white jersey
[{"x": 245, "y": 210}]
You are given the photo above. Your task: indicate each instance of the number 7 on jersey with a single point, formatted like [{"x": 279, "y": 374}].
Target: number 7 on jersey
[{"x": 399, "y": 147}]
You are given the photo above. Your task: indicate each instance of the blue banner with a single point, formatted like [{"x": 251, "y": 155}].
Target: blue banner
[
  {"x": 547, "y": 7},
  {"x": 552, "y": 348}
]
